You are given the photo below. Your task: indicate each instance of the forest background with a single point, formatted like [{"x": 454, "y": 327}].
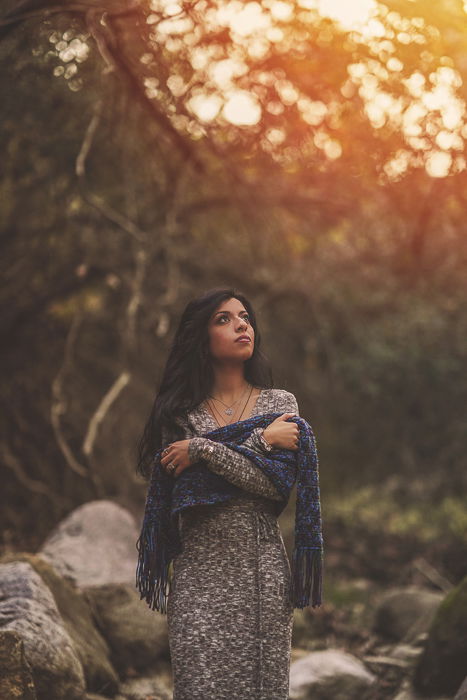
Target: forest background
[{"x": 152, "y": 150}]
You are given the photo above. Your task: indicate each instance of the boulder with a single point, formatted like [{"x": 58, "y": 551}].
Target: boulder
[
  {"x": 402, "y": 614},
  {"x": 15, "y": 672},
  {"x": 28, "y": 608},
  {"x": 91, "y": 648},
  {"x": 143, "y": 688},
  {"x": 94, "y": 545},
  {"x": 462, "y": 692},
  {"x": 329, "y": 675},
  {"x": 137, "y": 635},
  {"x": 442, "y": 666}
]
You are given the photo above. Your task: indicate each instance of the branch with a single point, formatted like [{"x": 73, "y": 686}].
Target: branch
[
  {"x": 102, "y": 410},
  {"x": 58, "y": 406},
  {"x": 136, "y": 298},
  {"x": 432, "y": 574},
  {"x": 28, "y": 10},
  {"x": 103, "y": 32},
  {"x": 102, "y": 207},
  {"x": 98, "y": 20}
]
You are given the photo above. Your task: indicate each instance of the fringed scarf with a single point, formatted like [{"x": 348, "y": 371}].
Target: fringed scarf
[{"x": 159, "y": 541}]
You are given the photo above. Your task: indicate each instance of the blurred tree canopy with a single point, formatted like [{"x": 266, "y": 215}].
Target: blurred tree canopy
[{"x": 155, "y": 149}]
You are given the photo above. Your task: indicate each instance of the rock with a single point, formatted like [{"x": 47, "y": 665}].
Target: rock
[
  {"x": 15, "y": 672},
  {"x": 90, "y": 646},
  {"x": 28, "y": 608},
  {"x": 137, "y": 635},
  {"x": 150, "y": 688},
  {"x": 462, "y": 692},
  {"x": 405, "y": 613},
  {"x": 94, "y": 545},
  {"x": 442, "y": 666},
  {"x": 329, "y": 675}
]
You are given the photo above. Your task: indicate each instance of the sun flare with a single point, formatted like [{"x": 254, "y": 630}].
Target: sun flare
[{"x": 350, "y": 14}]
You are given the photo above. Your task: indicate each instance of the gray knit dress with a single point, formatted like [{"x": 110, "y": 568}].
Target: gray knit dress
[{"x": 229, "y": 611}]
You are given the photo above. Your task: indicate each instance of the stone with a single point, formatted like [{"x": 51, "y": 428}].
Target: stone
[
  {"x": 402, "y": 614},
  {"x": 462, "y": 692},
  {"x": 15, "y": 672},
  {"x": 148, "y": 688},
  {"x": 94, "y": 545},
  {"x": 91, "y": 648},
  {"x": 28, "y": 608},
  {"x": 137, "y": 635},
  {"x": 442, "y": 666},
  {"x": 332, "y": 674}
]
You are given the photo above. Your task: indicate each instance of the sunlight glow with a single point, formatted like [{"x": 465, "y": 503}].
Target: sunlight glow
[
  {"x": 242, "y": 109},
  {"x": 426, "y": 109},
  {"x": 438, "y": 164},
  {"x": 349, "y": 13},
  {"x": 206, "y": 107}
]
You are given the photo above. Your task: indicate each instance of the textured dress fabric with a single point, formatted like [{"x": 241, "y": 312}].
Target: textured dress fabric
[{"x": 229, "y": 610}]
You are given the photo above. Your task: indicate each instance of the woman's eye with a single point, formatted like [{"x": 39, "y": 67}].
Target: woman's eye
[{"x": 244, "y": 316}]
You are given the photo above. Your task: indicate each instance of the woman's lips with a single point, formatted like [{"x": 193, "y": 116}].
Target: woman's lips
[{"x": 243, "y": 340}]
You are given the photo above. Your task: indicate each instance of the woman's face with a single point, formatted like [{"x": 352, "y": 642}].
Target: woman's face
[{"x": 228, "y": 323}]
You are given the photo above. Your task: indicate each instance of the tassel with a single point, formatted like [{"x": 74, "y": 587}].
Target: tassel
[
  {"x": 307, "y": 576},
  {"x": 152, "y": 571}
]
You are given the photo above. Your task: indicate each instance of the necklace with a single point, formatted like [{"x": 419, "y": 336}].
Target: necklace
[
  {"x": 241, "y": 414},
  {"x": 229, "y": 409}
]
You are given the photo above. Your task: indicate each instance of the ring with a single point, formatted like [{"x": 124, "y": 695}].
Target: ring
[{"x": 171, "y": 467}]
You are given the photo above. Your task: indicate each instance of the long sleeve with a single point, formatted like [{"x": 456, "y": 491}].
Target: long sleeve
[
  {"x": 233, "y": 466},
  {"x": 237, "y": 468}
]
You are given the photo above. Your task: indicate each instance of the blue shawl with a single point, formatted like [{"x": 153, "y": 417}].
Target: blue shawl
[{"x": 159, "y": 541}]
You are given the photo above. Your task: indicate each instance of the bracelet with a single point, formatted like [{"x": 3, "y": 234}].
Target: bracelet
[{"x": 266, "y": 445}]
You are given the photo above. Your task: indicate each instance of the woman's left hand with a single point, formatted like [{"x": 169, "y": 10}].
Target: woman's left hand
[{"x": 176, "y": 453}]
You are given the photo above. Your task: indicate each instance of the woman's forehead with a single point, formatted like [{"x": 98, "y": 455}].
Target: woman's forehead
[{"x": 230, "y": 305}]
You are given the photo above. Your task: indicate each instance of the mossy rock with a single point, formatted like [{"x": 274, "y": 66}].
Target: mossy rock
[
  {"x": 15, "y": 673},
  {"x": 442, "y": 665},
  {"x": 90, "y": 647}
]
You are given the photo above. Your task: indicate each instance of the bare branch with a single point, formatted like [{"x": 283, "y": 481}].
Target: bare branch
[
  {"x": 432, "y": 574},
  {"x": 136, "y": 297},
  {"x": 102, "y": 410},
  {"x": 58, "y": 406},
  {"x": 26, "y": 10},
  {"x": 103, "y": 31},
  {"x": 102, "y": 207}
]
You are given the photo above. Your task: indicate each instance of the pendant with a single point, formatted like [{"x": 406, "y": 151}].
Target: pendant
[{"x": 229, "y": 411}]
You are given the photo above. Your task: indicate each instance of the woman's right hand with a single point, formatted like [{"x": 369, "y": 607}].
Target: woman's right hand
[{"x": 281, "y": 433}]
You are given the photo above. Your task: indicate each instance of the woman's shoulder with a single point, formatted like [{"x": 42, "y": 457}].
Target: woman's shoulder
[{"x": 281, "y": 400}]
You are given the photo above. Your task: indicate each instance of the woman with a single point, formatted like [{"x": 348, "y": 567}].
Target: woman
[{"x": 229, "y": 610}]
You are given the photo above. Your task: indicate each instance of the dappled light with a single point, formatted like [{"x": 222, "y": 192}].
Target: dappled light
[{"x": 251, "y": 65}]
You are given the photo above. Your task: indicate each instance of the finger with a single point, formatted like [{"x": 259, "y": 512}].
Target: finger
[
  {"x": 166, "y": 458},
  {"x": 284, "y": 416}
]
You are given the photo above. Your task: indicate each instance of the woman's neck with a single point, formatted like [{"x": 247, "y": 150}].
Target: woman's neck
[{"x": 229, "y": 382}]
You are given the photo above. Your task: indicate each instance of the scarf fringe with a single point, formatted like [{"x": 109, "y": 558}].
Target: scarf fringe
[
  {"x": 307, "y": 577},
  {"x": 152, "y": 570}
]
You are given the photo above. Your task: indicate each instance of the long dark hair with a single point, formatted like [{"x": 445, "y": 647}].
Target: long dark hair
[{"x": 188, "y": 375}]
